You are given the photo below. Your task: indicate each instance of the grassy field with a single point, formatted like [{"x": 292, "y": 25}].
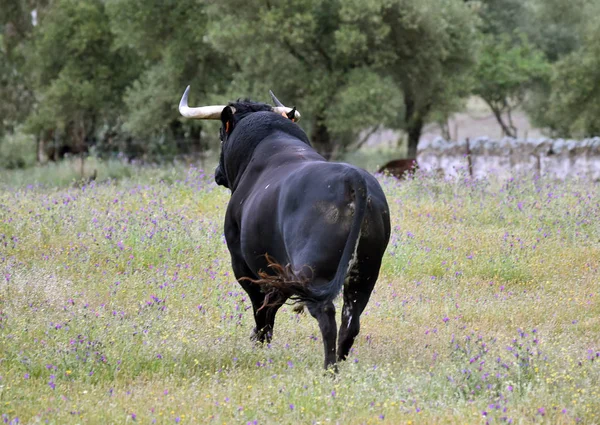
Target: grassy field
[{"x": 118, "y": 305}]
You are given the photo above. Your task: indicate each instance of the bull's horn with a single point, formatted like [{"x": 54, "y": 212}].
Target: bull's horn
[
  {"x": 280, "y": 108},
  {"x": 202, "y": 113},
  {"x": 275, "y": 100}
]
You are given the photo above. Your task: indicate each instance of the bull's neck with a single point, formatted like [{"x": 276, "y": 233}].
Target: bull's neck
[{"x": 255, "y": 139}]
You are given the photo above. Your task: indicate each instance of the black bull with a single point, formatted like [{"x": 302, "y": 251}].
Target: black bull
[{"x": 328, "y": 223}]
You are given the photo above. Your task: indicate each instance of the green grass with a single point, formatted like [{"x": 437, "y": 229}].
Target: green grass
[
  {"x": 68, "y": 172},
  {"x": 118, "y": 304}
]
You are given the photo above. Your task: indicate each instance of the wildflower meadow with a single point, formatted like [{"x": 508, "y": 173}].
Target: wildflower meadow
[{"x": 118, "y": 305}]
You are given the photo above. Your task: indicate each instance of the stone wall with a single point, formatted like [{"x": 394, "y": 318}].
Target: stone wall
[{"x": 505, "y": 157}]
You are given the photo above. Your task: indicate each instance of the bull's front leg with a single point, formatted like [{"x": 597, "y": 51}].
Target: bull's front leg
[{"x": 325, "y": 315}]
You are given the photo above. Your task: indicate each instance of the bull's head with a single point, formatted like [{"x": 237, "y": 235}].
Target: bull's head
[{"x": 226, "y": 113}]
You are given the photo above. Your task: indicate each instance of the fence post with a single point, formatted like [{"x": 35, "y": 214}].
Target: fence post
[{"x": 469, "y": 159}]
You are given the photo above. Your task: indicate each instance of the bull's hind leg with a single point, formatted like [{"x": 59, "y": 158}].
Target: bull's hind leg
[
  {"x": 325, "y": 315},
  {"x": 356, "y": 296},
  {"x": 264, "y": 315},
  {"x": 264, "y": 312}
]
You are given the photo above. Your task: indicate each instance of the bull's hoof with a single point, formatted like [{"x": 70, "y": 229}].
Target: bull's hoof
[
  {"x": 255, "y": 337},
  {"x": 331, "y": 370},
  {"x": 260, "y": 337},
  {"x": 342, "y": 358}
]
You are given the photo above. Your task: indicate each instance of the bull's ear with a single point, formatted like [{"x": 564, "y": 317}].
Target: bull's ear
[{"x": 227, "y": 119}]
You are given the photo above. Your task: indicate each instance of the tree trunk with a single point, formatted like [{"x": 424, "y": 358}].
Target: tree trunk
[
  {"x": 199, "y": 144},
  {"x": 320, "y": 137},
  {"x": 199, "y": 147},
  {"x": 507, "y": 128},
  {"x": 42, "y": 147},
  {"x": 414, "y": 134},
  {"x": 414, "y": 119},
  {"x": 445, "y": 129},
  {"x": 510, "y": 121}
]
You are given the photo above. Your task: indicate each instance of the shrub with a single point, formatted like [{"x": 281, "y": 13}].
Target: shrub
[{"x": 17, "y": 150}]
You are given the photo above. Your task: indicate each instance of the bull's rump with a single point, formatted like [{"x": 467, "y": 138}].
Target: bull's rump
[{"x": 306, "y": 215}]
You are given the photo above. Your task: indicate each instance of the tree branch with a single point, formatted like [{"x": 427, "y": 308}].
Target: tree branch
[
  {"x": 325, "y": 56},
  {"x": 295, "y": 53},
  {"x": 356, "y": 146},
  {"x": 498, "y": 114}
]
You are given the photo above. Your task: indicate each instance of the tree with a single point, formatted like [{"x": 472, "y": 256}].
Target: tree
[
  {"x": 319, "y": 52},
  {"x": 425, "y": 47},
  {"x": 561, "y": 29},
  {"x": 302, "y": 53},
  {"x": 358, "y": 108},
  {"x": 574, "y": 104},
  {"x": 169, "y": 38},
  {"x": 15, "y": 30},
  {"x": 505, "y": 73},
  {"x": 78, "y": 75},
  {"x": 15, "y": 97},
  {"x": 505, "y": 17},
  {"x": 554, "y": 26}
]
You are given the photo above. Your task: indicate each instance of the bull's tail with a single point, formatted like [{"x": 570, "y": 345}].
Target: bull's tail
[
  {"x": 357, "y": 187},
  {"x": 283, "y": 281}
]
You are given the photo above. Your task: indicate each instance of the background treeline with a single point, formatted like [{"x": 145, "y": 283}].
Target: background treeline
[{"x": 105, "y": 76}]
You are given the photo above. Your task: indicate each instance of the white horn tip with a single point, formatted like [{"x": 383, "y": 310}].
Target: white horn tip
[{"x": 183, "y": 103}]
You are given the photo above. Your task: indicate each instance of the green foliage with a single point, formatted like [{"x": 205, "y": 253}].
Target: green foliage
[
  {"x": 504, "y": 17},
  {"x": 9, "y": 106},
  {"x": 169, "y": 38},
  {"x": 109, "y": 73},
  {"x": 303, "y": 54},
  {"x": 427, "y": 48},
  {"x": 509, "y": 65},
  {"x": 79, "y": 76},
  {"x": 367, "y": 100},
  {"x": 419, "y": 49},
  {"x": 16, "y": 98},
  {"x": 505, "y": 73},
  {"x": 17, "y": 150},
  {"x": 554, "y": 30},
  {"x": 574, "y": 104},
  {"x": 555, "y": 26},
  {"x": 559, "y": 29}
]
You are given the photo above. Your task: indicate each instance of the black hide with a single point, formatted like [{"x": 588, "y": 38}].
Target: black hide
[{"x": 298, "y": 226}]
